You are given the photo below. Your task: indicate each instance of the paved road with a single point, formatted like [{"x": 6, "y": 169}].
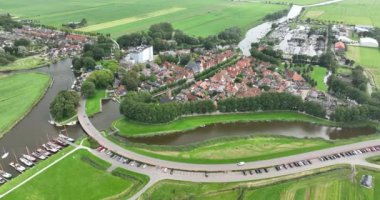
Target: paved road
[{"x": 95, "y": 134}]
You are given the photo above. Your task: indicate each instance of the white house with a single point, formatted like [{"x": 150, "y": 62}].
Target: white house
[
  {"x": 140, "y": 54},
  {"x": 369, "y": 42}
]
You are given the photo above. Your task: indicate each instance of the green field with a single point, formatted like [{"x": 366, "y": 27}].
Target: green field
[
  {"x": 19, "y": 93},
  {"x": 236, "y": 149},
  {"x": 318, "y": 74},
  {"x": 24, "y": 63},
  {"x": 93, "y": 104},
  {"x": 368, "y": 58},
  {"x": 130, "y": 128},
  {"x": 296, "y": 2},
  {"x": 375, "y": 160},
  {"x": 68, "y": 178},
  {"x": 363, "y": 12},
  {"x": 328, "y": 185},
  {"x": 118, "y": 17}
]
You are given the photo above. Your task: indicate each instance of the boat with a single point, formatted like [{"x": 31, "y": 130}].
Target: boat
[
  {"x": 49, "y": 148},
  {"x": 26, "y": 162},
  {"x": 5, "y": 174},
  {"x": 66, "y": 138},
  {"x": 5, "y": 155},
  {"x": 28, "y": 157},
  {"x": 61, "y": 142},
  {"x": 43, "y": 152},
  {"x": 38, "y": 155},
  {"x": 17, "y": 167},
  {"x": 2, "y": 181},
  {"x": 51, "y": 122},
  {"x": 54, "y": 145}
]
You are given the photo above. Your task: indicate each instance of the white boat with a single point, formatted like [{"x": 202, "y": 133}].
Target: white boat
[
  {"x": 43, "y": 152},
  {"x": 49, "y": 148},
  {"x": 38, "y": 155},
  {"x": 28, "y": 157},
  {"x": 5, "y": 155},
  {"x": 26, "y": 162},
  {"x": 17, "y": 167},
  {"x": 5, "y": 174},
  {"x": 66, "y": 138},
  {"x": 2, "y": 181},
  {"x": 54, "y": 145}
]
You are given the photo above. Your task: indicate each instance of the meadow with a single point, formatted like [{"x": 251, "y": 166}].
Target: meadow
[
  {"x": 363, "y": 12},
  {"x": 19, "y": 93},
  {"x": 334, "y": 184},
  {"x": 296, "y": 2},
  {"x": 118, "y": 17},
  {"x": 369, "y": 58},
  {"x": 66, "y": 180},
  {"x": 93, "y": 104},
  {"x": 318, "y": 74},
  {"x": 24, "y": 63}
]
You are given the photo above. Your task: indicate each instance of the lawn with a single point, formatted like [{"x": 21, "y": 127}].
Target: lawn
[
  {"x": 368, "y": 58},
  {"x": 318, "y": 74},
  {"x": 118, "y": 17},
  {"x": 93, "y": 104},
  {"x": 334, "y": 184},
  {"x": 24, "y": 63},
  {"x": 348, "y": 11},
  {"x": 80, "y": 176},
  {"x": 236, "y": 149},
  {"x": 375, "y": 160},
  {"x": 19, "y": 93},
  {"x": 130, "y": 128}
]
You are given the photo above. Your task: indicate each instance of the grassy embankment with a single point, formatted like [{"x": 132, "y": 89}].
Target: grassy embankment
[
  {"x": 197, "y": 17},
  {"x": 318, "y": 74},
  {"x": 369, "y": 58},
  {"x": 375, "y": 160},
  {"x": 19, "y": 93},
  {"x": 348, "y": 11},
  {"x": 236, "y": 149},
  {"x": 25, "y": 63},
  {"x": 68, "y": 178},
  {"x": 93, "y": 104},
  {"x": 334, "y": 183}
]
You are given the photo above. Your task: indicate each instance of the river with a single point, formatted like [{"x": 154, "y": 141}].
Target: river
[{"x": 34, "y": 129}]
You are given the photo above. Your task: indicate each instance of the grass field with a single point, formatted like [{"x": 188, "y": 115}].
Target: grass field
[
  {"x": 368, "y": 58},
  {"x": 236, "y": 149},
  {"x": 118, "y": 17},
  {"x": 93, "y": 104},
  {"x": 375, "y": 159},
  {"x": 130, "y": 128},
  {"x": 19, "y": 93},
  {"x": 24, "y": 63},
  {"x": 329, "y": 185},
  {"x": 318, "y": 74},
  {"x": 296, "y": 2},
  {"x": 348, "y": 11},
  {"x": 68, "y": 178}
]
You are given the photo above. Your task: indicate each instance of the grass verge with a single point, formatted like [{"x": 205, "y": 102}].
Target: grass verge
[{"x": 94, "y": 104}]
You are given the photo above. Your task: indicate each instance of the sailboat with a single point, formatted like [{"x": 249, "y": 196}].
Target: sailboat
[{"x": 5, "y": 155}]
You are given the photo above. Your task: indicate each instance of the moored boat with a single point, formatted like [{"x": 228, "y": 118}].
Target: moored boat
[
  {"x": 28, "y": 157},
  {"x": 49, "y": 148},
  {"x": 5, "y": 174},
  {"x": 26, "y": 161},
  {"x": 43, "y": 152},
  {"x": 38, "y": 155},
  {"x": 17, "y": 167},
  {"x": 66, "y": 138}
]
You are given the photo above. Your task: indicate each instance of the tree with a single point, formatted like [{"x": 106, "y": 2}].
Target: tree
[
  {"x": 88, "y": 89},
  {"x": 131, "y": 80},
  {"x": 98, "y": 53},
  {"x": 101, "y": 78},
  {"x": 88, "y": 63},
  {"x": 64, "y": 105},
  {"x": 22, "y": 42}
]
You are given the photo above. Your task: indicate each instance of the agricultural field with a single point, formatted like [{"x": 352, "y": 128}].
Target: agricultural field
[
  {"x": 67, "y": 178},
  {"x": 93, "y": 104},
  {"x": 363, "y": 12},
  {"x": 24, "y": 63},
  {"x": 369, "y": 58},
  {"x": 297, "y": 2},
  {"x": 118, "y": 17},
  {"x": 336, "y": 184},
  {"x": 318, "y": 74},
  {"x": 19, "y": 93},
  {"x": 130, "y": 128}
]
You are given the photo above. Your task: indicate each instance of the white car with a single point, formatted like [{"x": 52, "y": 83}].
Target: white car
[{"x": 241, "y": 163}]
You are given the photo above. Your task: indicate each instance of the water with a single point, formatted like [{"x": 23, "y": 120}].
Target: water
[
  {"x": 292, "y": 129},
  {"x": 34, "y": 129}
]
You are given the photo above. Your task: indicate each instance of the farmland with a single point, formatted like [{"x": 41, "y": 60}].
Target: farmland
[
  {"x": 349, "y": 11},
  {"x": 119, "y": 17},
  {"x": 332, "y": 185},
  {"x": 18, "y": 95},
  {"x": 369, "y": 58},
  {"x": 24, "y": 63},
  {"x": 67, "y": 178}
]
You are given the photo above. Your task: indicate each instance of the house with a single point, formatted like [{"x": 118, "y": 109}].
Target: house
[
  {"x": 194, "y": 66},
  {"x": 340, "y": 47},
  {"x": 140, "y": 54},
  {"x": 369, "y": 42}
]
